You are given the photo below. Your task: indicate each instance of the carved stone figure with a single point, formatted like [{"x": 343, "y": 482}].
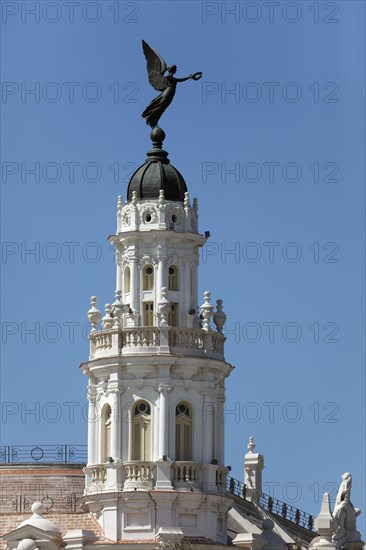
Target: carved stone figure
[
  {"x": 345, "y": 514},
  {"x": 156, "y": 67}
]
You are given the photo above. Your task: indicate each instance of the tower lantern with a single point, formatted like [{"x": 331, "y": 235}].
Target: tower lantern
[{"x": 157, "y": 372}]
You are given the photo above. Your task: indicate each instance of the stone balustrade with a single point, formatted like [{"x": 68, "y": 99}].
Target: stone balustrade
[
  {"x": 149, "y": 340},
  {"x": 186, "y": 473},
  {"x": 221, "y": 478},
  {"x": 96, "y": 475},
  {"x": 139, "y": 474},
  {"x": 140, "y": 337},
  {"x": 103, "y": 478}
]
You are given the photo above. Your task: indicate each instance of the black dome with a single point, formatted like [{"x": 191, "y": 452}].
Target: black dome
[{"x": 157, "y": 174}]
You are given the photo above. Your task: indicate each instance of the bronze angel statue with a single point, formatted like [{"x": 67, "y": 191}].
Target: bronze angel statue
[{"x": 156, "y": 67}]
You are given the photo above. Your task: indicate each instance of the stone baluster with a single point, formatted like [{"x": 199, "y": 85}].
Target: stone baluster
[
  {"x": 94, "y": 315},
  {"x": 206, "y": 311},
  {"x": 219, "y": 317},
  {"x": 118, "y": 309},
  {"x": 107, "y": 320}
]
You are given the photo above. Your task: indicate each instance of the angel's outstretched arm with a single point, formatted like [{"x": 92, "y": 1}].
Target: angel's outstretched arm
[
  {"x": 184, "y": 79},
  {"x": 195, "y": 76}
]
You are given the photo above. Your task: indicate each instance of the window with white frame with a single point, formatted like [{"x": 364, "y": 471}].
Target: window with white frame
[
  {"x": 148, "y": 278},
  {"x": 141, "y": 431},
  {"x": 106, "y": 432},
  {"x": 183, "y": 432},
  {"x": 148, "y": 314}
]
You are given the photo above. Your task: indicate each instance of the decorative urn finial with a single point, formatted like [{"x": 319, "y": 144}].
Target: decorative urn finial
[
  {"x": 107, "y": 321},
  {"x": 206, "y": 311},
  {"x": 251, "y": 444},
  {"x": 118, "y": 309},
  {"x": 94, "y": 314},
  {"x": 219, "y": 317}
]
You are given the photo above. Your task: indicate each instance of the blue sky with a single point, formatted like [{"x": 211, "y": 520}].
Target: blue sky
[{"x": 271, "y": 141}]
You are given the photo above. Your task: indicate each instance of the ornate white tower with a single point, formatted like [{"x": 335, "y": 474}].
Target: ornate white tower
[{"x": 156, "y": 370}]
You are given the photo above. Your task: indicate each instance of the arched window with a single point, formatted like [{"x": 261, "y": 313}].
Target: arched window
[
  {"x": 127, "y": 280},
  {"x": 141, "y": 431},
  {"x": 148, "y": 278},
  {"x": 173, "y": 277},
  {"x": 106, "y": 432},
  {"x": 183, "y": 431}
]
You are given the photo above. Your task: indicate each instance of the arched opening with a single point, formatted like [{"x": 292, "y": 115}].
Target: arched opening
[
  {"x": 173, "y": 278},
  {"x": 183, "y": 431},
  {"x": 127, "y": 280},
  {"x": 106, "y": 432},
  {"x": 141, "y": 431},
  {"x": 148, "y": 278}
]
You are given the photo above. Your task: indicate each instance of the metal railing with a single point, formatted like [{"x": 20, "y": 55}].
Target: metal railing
[
  {"x": 77, "y": 454},
  {"x": 273, "y": 505},
  {"x": 64, "y": 454}
]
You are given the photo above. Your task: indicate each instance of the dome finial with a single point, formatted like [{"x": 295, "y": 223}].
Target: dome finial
[
  {"x": 157, "y": 153},
  {"x": 157, "y": 136}
]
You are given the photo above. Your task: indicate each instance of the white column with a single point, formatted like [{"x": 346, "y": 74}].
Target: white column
[
  {"x": 207, "y": 427},
  {"x": 185, "y": 271},
  {"x": 160, "y": 277},
  {"x": 194, "y": 267},
  {"x": 220, "y": 432},
  {"x": 163, "y": 421},
  {"x": 133, "y": 284},
  {"x": 92, "y": 425},
  {"x": 118, "y": 269},
  {"x": 115, "y": 424},
  {"x": 162, "y": 270}
]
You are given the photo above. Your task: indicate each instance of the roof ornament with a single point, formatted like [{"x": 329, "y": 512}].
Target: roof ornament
[
  {"x": 94, "y": 314},
  {"x": 156, "y": 67},
  {"x": 251, "y": 444}
]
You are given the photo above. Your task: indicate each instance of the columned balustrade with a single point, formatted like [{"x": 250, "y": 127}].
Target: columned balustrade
[{"x": 146, "y": 340}]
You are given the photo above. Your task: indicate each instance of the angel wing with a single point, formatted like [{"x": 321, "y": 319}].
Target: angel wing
[{"x": 155, "y": 67}]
